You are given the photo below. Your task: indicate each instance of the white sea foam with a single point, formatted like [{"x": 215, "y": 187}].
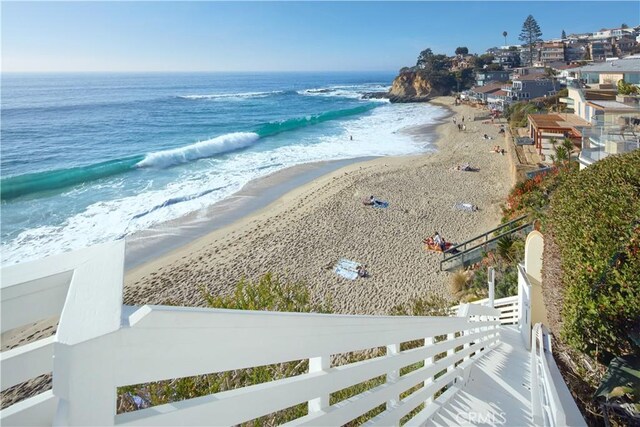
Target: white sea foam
[
  {"x": 346, "y": 91},
  {"x": 199, "y": 150},
  {"x": 227, "y": 96},
  {"x": 375, "y": 134}
]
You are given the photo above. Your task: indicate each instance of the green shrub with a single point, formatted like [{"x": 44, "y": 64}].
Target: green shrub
[
  {"x": 517, "y": 113},
  {"x": 595, "y": 218}
]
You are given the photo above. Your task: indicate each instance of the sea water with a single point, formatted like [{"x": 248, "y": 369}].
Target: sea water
[{"x": 88, "y": 158}]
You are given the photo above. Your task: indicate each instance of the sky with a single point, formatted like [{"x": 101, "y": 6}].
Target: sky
[{"x": 274, "y": 36}]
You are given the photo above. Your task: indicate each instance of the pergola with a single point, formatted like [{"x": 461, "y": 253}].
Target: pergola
[{"x": 554, "y": 126}]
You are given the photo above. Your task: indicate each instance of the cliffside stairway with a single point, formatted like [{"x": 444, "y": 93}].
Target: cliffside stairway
[
  {"x": 471, "y": 368},
  {"x": 471, "y": 251}
]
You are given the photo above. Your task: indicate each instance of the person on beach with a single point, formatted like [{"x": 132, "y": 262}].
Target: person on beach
[
  {"x": 439, "y": 241},
  {"x": 454, "y": 121},
  {"x": 372, "y": 201},
  {"x": 462, "y": 119},
  {"x": 362, "y": 271},
  {"x": 350, "y": 137},
  {"x": 464, "y": 128}
]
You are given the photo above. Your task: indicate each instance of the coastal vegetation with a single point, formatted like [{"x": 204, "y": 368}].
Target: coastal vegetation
[{"x": 591, "y": 223}]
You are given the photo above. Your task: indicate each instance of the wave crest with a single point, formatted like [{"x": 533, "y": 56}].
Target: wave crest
[
  {"x": 242, "y": 95},
  {"x": 199, "y": 150},
  {"x": 273, "y": 128}
]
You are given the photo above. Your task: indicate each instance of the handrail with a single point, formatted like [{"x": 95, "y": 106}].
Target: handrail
[
  {"x": 551, "y": 402},
  {"x": 467, "y": 250},
  {"x": 506, "y": 224}
]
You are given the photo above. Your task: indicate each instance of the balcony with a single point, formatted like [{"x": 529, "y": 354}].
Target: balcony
[{"x": 603, "y": 141}]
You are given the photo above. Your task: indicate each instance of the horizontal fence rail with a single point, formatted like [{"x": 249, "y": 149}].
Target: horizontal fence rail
[
  {"x": 269, "y": 338},
  {"x": 508, "y": 308}
]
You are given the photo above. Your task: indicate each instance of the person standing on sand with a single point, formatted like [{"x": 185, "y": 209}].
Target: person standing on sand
[
  {"x": 462, "y": 119},
  {"x": 350, "y": 137}
]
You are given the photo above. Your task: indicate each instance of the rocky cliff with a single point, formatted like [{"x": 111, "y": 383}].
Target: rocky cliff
[{"x": 411, "y": 86}]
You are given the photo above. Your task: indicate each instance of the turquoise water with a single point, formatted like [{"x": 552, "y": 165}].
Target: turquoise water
[{"x": 93, "y": 157}]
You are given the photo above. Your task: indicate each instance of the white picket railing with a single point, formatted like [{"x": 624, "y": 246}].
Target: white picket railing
[
  {"x": 524, "y": 305},
  {"x": 56, "y": 287},
  {"x": 508, "y": 308},
  {"x": 101, "y": 345},
  {"x": 551, "y": 402}
]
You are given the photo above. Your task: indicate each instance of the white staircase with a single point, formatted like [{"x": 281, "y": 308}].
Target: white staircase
[{"x": 475, "y": 369}]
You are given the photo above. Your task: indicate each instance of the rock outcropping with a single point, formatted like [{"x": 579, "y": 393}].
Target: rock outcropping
[
  {"x": 413, "y": 84},
  {"x": 410, "y": 86}
]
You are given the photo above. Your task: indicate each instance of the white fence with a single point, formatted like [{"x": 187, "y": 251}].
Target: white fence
[
  {"x": 508, "y": 308},
  {"x": 551, "y": 402},
  {"x": 101, "y": 345},
  {"x": 524, "y": 304},
  {"x": 55, "y": 286}
]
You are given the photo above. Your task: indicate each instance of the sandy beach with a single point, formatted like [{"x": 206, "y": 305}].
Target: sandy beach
[{"x": 303, "y": 234}]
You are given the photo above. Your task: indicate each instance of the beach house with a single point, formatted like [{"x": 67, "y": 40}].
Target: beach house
[
  {"x": 528, "y": 86},
  {"x": 479, "y": 94},
  {"x": 610, "y": 72},
  {"x": 597, "y": 118},
  {"x": 484, "y": 77},
  {"x": 552, "y": 51}
]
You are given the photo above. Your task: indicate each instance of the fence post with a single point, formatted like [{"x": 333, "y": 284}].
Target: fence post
[
  {"x": 393, "y": 376},
  {"x": 492, "y": 283},
  {"x": 84, "y": 362},
  {"x": 318, "y": 364},
  {"x": 428, "y": 342},
  {"x": 450, "y": 337}
]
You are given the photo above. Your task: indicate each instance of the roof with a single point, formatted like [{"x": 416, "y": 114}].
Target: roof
[
  {"x": 613, "y": 105},
  {"x": 565, "y": 67},
  {"x": 500, "y": 93},
  {"x": 625, "y": 65},
  {"x": 488, "y": 88},
  {"x": 536, "y": 76},
  {"x": 556, "y": 121}
]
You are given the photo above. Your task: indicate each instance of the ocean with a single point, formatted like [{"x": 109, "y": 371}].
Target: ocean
[{"x": 91, "y": 157}]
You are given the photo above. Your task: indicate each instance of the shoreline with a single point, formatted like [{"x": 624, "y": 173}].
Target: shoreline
[
  {"x": 301, "y": 234},
  {"x": 154, "y": 243}
]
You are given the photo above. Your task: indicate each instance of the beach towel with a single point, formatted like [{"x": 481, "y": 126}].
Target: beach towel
[
  {"x": 467, "y": 207},
  {"x": 381, "y": 204},
  {"x": 347, "y": 269}
]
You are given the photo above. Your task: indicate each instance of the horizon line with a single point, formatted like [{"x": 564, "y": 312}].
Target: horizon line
[{"x": 193, "y": 71}]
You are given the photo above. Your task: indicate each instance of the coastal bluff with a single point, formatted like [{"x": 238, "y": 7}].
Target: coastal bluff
[{"x": 410, "y": 86}]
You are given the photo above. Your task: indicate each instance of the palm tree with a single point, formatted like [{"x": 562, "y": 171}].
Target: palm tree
[{"x": 504, "y": 34}]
